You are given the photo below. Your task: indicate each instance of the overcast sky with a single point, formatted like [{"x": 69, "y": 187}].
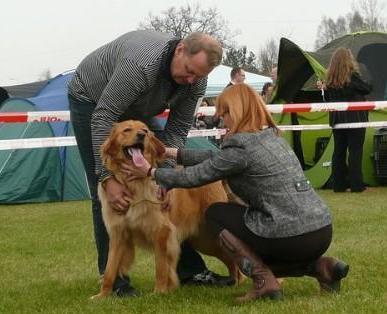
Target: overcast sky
[{"x": 42, "y": 35}]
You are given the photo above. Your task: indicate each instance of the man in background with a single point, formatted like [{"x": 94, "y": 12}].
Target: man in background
[{"x": 237, "y": 75}]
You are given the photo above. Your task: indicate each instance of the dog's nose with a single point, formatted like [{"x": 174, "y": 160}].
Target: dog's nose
[{"x": 140, "y": 136}]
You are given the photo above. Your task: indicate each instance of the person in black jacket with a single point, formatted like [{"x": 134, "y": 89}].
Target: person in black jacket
[{"x": 345, "y": 84}]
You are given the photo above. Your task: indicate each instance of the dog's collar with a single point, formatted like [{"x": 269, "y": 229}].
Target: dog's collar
[{"x": 145, "y": 200}]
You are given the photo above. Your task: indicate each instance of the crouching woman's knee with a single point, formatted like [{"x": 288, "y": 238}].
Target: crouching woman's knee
[{"x": 213, "y": 217}]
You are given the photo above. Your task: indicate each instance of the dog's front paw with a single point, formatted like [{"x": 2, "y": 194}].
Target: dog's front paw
[
  {"x": 161, "y": 290},
  {"x": 99, "y": 296},
  {"x": 165, "y": 288}
]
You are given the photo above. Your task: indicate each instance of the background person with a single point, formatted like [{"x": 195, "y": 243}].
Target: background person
[
  {"x": 285, "y": 227},
  {"x": 274, "y": 74},
  {"x": 237, "y": 76},
  {"x": 138, "y": 76},
  {"x": 267, "y": 89},
  {"x": 343, "y": 83}
]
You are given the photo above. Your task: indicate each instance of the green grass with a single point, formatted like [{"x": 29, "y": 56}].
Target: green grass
[{"x": 47, "y": 265}]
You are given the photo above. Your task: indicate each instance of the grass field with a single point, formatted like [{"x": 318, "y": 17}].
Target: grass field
[{"x": 47, "y": 265}]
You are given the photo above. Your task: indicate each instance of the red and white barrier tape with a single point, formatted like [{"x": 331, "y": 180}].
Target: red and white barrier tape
[
  {"x": 35, "y": 116},
  {"x": 70, "y": 140},
  {"x": 313, "y": 107},
  {"x": 55, "y": 116},
  {"x": 207, "y": 132}
]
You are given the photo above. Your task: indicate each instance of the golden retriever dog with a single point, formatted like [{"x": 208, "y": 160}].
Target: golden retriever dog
[{"x": 146, "y": 224}]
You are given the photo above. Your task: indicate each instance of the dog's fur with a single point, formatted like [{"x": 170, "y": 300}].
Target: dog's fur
[{"x": 145, "y": 224}]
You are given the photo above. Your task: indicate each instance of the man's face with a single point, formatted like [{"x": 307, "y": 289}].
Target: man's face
[
  {"x": 240, "y": 77},
  {"x": 187, "y": 69}
]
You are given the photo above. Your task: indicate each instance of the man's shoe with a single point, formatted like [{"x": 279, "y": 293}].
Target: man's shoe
[
  {"x": 125, "y": 292},
  {"x": 209, "y": 278},
  {"x": 122, "y": 288}
]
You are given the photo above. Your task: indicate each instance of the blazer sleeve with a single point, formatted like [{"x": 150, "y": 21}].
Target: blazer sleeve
[
  {"x": 191, "y": 157},
  {"x": 229, "y": 161}
]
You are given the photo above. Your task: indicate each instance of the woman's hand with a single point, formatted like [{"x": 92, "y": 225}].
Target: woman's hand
[
  {"x": 133, "y": 172},
  {"x": 320, "y": 84}
]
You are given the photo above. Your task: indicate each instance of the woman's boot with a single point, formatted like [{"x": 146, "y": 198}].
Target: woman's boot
[
  {"x": 329, "y": 271},
  {"x": 265, "y": 285}
]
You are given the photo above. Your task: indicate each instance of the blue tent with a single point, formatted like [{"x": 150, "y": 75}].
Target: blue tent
[{"x": 44, "y": 174}]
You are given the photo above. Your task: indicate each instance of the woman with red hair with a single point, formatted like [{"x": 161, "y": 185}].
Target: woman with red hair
[{"x": 282, "y": 227}]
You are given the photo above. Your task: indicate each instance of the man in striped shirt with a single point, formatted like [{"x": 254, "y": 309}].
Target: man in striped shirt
[{"x": 137, "y": 76}]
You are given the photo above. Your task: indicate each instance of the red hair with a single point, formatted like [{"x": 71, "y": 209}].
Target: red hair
[{"x": 246, "y": 107}]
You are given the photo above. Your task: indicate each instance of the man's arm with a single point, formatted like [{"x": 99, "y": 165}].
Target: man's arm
[{"x": 125, "y": 86}]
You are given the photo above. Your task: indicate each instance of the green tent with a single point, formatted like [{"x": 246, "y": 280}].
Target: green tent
[
  {"x": 298, "y": 72},
  {"x": 42, "y": 174}
]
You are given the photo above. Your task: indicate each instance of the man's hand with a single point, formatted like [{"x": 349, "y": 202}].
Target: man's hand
[
  {"x": 171, "y": 152},
  {"x": 117, "y": 196}
]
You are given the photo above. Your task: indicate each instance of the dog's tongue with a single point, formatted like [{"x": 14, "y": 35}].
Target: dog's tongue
[{"x": 137, "y": 157}]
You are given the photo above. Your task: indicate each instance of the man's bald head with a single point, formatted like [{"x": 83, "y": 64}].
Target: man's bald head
[{"x": 197, "y": 42}]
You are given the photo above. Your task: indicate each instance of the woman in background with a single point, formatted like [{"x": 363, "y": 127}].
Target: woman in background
[{"x": 343, "y": 84}]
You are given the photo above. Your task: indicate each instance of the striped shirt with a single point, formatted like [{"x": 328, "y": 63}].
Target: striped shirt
[{"x": 129, "y": 78}]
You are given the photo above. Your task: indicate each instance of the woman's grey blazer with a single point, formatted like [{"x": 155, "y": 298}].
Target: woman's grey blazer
[{"x": 264, "y": 172}]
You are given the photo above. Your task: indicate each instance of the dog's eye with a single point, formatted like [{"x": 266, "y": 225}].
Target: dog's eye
[
  {"x": 127, "y": 130},
  {"x": 145, "y": 131}
]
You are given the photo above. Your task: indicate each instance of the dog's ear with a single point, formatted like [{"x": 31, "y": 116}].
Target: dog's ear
[{"x": 158, "y": 147}]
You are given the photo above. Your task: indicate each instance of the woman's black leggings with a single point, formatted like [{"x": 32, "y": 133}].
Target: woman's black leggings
[{"x": 301, "y": 248}]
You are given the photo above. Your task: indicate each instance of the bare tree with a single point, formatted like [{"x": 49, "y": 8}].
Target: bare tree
[
  {"x": 356, "y": 22},
  {"x": 191, "y": 18},
  {"x": 240, "y": 57},
  {"x": 371, "y": 11},
  {"x": 329, "y": 30},
  {"x": 268, "y": 56},
  {"x": 366, "y": 15}
]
